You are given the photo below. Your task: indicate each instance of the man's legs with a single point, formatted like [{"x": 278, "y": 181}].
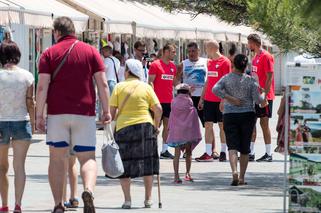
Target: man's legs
[
  {"x": 209, "y": 143},
  {"x": 57, "y": 172},
  {"x": 165, "y": 154},
  {"x": 223, "y": 143},
  {"x": 88, "y": 169},
  {"x": 264, "y": 122},
  {"x": 253, "y": 141},
  {"x": 73, "y": 177}
]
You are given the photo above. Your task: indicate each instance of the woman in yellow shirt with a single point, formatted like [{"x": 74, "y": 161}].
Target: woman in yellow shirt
[{"x": 136, "y": 130}]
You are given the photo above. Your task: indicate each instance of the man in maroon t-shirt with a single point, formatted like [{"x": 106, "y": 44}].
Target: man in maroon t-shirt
[{"x": 70, "y": 97}]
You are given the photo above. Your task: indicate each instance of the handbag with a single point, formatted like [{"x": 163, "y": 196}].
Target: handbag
[{"x": 111, "y": 160}]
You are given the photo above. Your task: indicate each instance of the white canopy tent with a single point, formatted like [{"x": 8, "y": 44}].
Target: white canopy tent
[
  {"x": 145, "y": 20},
  {"x": 39, "y": 13}
]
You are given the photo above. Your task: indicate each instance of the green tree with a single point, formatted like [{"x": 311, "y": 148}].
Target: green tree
[{"x": 290, "y": 24}]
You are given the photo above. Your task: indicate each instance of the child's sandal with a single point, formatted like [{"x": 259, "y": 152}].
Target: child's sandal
[
  {"x": 188, "y": 178},
  {"x": 4, "y": 209},
  {"x": 178, "y": 181},
  {"x": 17, "y": 209}
]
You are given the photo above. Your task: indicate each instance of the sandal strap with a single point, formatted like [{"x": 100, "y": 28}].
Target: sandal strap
[{"x": 59, "y": 207}]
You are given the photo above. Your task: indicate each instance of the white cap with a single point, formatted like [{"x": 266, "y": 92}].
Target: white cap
[
  {"x": 135, "y": 67},
  {"x": 183, "y": 86}
]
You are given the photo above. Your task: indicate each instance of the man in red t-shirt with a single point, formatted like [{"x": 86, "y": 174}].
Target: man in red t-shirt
[
  {"x": 218, "y": 66},
  {"x": 70, "y": 97},
  {"x": 263, "y": 71},
  {"x": 162, "y": 76}
]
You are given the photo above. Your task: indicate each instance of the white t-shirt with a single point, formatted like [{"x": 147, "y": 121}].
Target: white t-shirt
[
  {"x": 14, "y": 84},
  {"x": 121, "y": 73},
  {"x": 194, "y": 74},
  {"x": 117, "y": 46},
  {"x": 110, "y": 68}
]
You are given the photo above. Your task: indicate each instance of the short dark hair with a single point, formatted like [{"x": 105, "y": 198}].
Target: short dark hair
[
  {"x": 64, "y": 25},
  {"x": 255, "y": 38},
  {"x": 232, "y": 50},
  {"x": 9, "y": 53},
  {"x": 240, "y": 62},
  {"x": 192, "y": 45},
  {"x": 183, "y": 91},
  {"x": 139, "y": 44},
  {"x": 168, "y": 46},
  {"x": 108, "y": 48}
]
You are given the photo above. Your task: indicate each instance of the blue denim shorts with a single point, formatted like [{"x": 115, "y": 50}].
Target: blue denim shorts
[{"x": 15, "y": 130}]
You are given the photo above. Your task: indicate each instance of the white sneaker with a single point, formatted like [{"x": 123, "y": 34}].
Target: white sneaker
[
  {"x": 148, "y": 203},
  {"x": 127, "y": 205}
]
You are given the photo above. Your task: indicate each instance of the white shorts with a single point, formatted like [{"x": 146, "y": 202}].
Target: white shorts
[{"x": 75, "y": 131}]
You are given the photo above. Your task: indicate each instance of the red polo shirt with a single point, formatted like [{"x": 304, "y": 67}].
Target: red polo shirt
[
  {"x": 72, "y": 91},
  {"x": 163, "y": 83},
  {"x": 262, "y": 64},
  {"x": 216, "y": 70}
]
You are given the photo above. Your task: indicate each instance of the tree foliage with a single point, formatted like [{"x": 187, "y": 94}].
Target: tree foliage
[{"x": 290, "y": 24}]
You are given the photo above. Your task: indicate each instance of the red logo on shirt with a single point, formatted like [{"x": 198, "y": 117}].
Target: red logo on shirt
[{"x": 167, "y": 77}]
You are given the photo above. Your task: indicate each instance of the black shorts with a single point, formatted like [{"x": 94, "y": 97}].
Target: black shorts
[
  {"x": 200, "y": 113},
  {"x": 212, "y": 112},
  {"x": 166, "y": 110},
  {"x": 238, "y": 129},
  {"x": 264, "y": 112}
]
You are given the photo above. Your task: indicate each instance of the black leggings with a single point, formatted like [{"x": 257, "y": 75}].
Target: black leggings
[{"x": 238, "y": 129}]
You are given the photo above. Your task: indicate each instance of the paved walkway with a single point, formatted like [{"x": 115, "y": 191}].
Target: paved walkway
[{"x": 209, "y": 193}]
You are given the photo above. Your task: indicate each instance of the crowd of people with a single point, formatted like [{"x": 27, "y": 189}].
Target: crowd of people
[{"x": 141, "y": 94}]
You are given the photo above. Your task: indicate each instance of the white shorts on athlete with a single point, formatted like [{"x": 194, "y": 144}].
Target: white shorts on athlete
[{"x": 75, "y": 131}]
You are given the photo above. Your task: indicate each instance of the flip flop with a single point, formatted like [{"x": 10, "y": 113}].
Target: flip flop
[{"x": 58, "y": 209}]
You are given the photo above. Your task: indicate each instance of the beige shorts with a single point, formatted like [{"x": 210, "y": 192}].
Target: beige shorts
[{"x": 75, "y": 131}]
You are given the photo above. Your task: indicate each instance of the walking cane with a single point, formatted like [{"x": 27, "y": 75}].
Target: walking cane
[{"x": 159, "y": 193}]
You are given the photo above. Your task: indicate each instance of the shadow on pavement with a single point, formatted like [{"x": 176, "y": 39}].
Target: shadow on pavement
[{"x": 259, "y": 184}]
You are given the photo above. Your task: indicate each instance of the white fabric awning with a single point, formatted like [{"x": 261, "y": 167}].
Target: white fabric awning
[
  {"x": 9, "y": 14},
  {"x": 145, "y": 20},
  {"x": 40, "y": 13}
]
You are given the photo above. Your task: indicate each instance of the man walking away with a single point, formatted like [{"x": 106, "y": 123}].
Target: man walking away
[{"x": 65, "y": 83}]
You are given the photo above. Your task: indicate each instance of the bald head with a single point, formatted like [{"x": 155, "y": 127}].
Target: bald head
[{"x": 212, "y": 47}]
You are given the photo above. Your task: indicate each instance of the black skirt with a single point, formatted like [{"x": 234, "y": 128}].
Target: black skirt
[{"x": 138, "y": 150}]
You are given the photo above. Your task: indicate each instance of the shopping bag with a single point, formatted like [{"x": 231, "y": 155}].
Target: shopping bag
[{"x": 111, "y": 160}]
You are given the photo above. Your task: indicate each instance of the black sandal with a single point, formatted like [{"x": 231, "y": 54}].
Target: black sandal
[
  {"x": 88, "y": 200},
  {"x": 235, "y": 183},
  {"x": 58, "y": 209}
]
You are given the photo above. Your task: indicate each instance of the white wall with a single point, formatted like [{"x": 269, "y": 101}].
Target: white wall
[{"x": 20, "y": 34}]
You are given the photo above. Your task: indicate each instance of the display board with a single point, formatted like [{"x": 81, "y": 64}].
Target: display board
[{"x": 304, "y": 135}]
